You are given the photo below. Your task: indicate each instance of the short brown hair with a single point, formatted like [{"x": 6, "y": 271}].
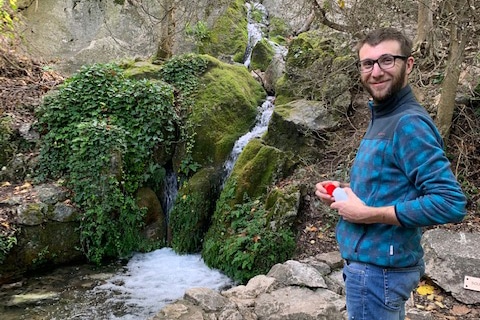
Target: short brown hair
[{"x": 374, "y": 37}]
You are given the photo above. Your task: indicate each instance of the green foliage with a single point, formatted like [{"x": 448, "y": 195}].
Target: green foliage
[
  {"x": 241, "y": 241},
  {"x": 6, "y": 243},
  {"x": 187, "y": 219},
  {"x": 100, "y": 130},
  {"x": 191, "y": 214},
  {"x": 7, "y": 17},
  {"x": 6, "y": 145},
  {"x": 182, "y": 72},
  {"x": 199, "y": 32}
]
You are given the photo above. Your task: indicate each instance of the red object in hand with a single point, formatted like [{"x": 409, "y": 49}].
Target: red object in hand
[
  {"x": 330, "y": 187},
  {"x": 338, "y": 193}
]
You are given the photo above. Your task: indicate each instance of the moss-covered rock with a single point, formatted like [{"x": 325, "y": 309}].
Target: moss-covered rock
[
  {"x": 6, "y": 146},
  {"x": 262, "y": 55},
  {"x": 257, "y": 167},
  {"x": 225, "y": 108},
  {"x": 319, "y": 66},
  {"x": 47, "y": 244},
  {"x": 278, "y": 30},
  {"x": 229, "y": 35},
  {"x": 195, "y": 203},
  {"x": 244, "y": 239},
  {"x": 297, "y": 127}
]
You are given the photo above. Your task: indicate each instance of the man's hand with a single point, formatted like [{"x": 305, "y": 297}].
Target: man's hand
[{"x": 355, "y": 211}]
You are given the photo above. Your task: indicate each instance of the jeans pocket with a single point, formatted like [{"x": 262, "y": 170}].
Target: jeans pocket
[{"x": 399, "y": 283}]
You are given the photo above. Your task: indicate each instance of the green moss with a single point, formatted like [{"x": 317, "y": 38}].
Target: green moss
[
  {"x": 278, "y": 29},
  {"x": 6, "y": 145},
  {"x": 142, "y": 70},
  {"x": 190, "y": 217},
  {"x": 224, "y": 109},
  {"x": 262, "y": 55},
  {"x": 229, "y": 34},
  {"x": 257, "y": 168},
  {"x": 308, "y": 47}
]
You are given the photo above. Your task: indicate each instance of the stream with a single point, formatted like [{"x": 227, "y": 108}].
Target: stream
[{"x": 137, "y": 290}]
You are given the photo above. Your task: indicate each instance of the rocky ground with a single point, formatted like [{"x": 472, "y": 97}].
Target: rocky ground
[{"x": 24, "y": 80}]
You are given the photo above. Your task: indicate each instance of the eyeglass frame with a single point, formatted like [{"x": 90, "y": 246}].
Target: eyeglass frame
[{"x": 377, "y": 61}]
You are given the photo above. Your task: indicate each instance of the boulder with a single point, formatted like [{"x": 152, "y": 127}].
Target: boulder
[{"x": 449, "y": 258}]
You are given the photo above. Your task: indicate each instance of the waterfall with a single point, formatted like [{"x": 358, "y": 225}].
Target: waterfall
[
  {"x": 261, "y": 125},
  {"x": 255, "y": 32},
  {"x": 170, "y": 191},
  {"x": 254, "y": 29}
]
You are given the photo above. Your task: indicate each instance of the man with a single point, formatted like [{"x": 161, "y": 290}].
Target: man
[{"x": 400, "y": 181}]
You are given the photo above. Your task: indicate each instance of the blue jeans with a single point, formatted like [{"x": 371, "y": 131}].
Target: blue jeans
[{"x": 376, "y": 293}]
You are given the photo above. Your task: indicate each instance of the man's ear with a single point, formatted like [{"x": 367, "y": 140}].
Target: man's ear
[{"x": 410, "y": 62}]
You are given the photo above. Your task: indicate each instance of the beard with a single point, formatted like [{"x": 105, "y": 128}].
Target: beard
[{"x": 396, "y": 86}]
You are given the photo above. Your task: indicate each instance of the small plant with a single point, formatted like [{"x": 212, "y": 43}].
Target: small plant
[
  {"x": 199, "y": 32},
  {"x": 6, "y": 244}
]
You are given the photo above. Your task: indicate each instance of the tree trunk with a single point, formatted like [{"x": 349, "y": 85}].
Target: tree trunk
[
  {"x": 165, "y": 45},
  {"x": 458, "y": 40},
  {"x": 424, "y": 40}
]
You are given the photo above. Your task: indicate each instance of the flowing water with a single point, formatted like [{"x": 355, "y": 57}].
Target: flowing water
[
  {"x": 261, "y": 125},
  {"x": 137, "y": 290}
]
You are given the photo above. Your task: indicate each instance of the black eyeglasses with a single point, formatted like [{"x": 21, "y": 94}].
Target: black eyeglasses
[{"x": 385, "y": 61}]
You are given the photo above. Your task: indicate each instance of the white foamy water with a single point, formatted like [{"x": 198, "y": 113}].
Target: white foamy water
[
  {"x": 263, "y": 118},
  {"x": 152, "y": 280}
]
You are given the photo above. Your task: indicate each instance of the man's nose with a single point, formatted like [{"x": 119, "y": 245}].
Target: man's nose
[{"x": 376, "y": 71}]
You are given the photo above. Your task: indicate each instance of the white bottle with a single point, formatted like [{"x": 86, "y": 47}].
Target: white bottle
[{"x": 338, "y": 193}]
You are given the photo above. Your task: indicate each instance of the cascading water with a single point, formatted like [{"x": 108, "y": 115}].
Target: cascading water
[
  {"x": 170, "y": 190},
  {"x": 256, "y": 31},
  {"x": 263, "y": 117}
]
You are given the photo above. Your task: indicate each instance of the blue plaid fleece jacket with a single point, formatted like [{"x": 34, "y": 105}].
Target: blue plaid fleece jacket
[{"x": 400, "y": 163}]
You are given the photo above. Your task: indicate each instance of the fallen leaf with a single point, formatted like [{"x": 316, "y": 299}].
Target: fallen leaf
[
  {"x": 26, "y": 185},
  {"x": 430, "y": 307},
  {"x": 460, "y": 310},
  {"x": 441, "y": 305}
]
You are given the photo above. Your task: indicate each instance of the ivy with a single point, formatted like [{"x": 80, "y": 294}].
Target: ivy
[
  {"x": 183, "y": 72},
  {"x": 100, "y": 132}
]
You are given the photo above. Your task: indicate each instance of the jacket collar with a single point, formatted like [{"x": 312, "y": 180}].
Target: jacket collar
[{"x": 392, "y": 103}]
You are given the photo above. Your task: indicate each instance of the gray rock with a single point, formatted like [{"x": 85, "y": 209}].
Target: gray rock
[
  {"x": 299, "y": 303},
  {"x": 449, "y": 257},
  {"x": 296, "y": 273}
]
